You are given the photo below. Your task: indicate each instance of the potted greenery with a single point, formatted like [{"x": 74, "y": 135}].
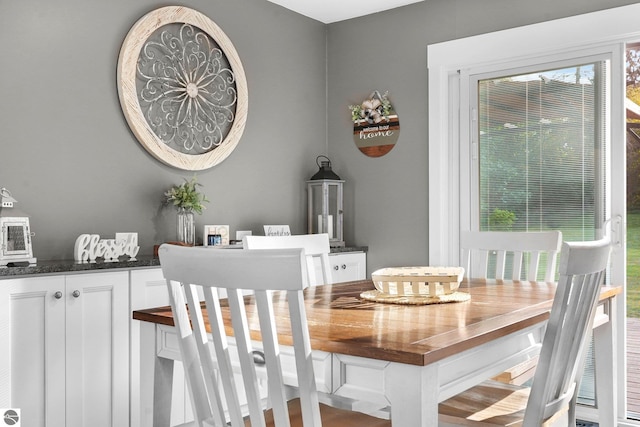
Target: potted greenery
[
  {"x": 187, "y": 199},
  {"x": 502, "y": 220}
]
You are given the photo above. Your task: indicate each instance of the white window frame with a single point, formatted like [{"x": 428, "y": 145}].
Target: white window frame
[
  {"x": 469, "y": 144},
  {"x": 450, "y": 64}
]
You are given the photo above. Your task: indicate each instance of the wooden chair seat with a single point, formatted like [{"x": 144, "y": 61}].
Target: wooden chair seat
[
  {"x": 492, "y": 403},
  {"x": 330, "y": 417},
  {"x": 519, "y": 374}
]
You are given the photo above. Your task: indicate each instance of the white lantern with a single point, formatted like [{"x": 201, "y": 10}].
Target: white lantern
[
  {"x": 15, "y": 235},
  {"x": 325, "y": 203}
]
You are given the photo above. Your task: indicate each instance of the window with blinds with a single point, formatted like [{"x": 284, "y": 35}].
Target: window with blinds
[
  {"x": 541, "y": 156},
  {"x": 541, "y": 151}
]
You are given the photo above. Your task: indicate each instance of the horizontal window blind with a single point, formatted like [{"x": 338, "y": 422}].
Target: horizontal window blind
[{"x": 540, "y": 151}]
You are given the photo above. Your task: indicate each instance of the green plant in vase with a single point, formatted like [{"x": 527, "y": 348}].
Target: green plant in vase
[{"x": 188, "y": 200}]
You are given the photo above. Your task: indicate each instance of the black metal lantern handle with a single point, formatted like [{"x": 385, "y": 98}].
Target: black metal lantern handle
[
  {"x": 321, "y": 156},
  {"x": 324, "y": 170}
]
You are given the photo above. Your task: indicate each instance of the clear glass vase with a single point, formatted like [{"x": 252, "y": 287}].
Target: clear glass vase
[{"x": 186, "y": 227}]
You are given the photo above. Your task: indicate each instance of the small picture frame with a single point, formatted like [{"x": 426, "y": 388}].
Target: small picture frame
[
  {"x": 211, "y": 231},
  {"x": 276, "y": 230}
]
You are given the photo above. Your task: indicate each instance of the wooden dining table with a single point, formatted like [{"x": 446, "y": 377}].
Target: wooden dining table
[{"x": 400, "y": 359}]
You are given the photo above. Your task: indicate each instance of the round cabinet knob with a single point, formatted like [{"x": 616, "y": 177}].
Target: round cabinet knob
[
  {"x": 76, "y": 293},
  {"x": 344, "y": 266},
  {"x": 258, "y": 358},
  {"x": 57, "y": 295},
  {"x": 335, "y": 267}
]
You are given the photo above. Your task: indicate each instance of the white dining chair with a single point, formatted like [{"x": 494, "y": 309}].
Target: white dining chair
[
  {"x": 517, "y": 246},
  {"x": 551, "y": 399},
  {"x": 207, "y": 362},
  {"x": 511, "y": 251},
  {"x": 316, "y": 248}
]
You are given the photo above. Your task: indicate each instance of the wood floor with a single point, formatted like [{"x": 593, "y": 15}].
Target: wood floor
[{"x": 633, "y": 366}]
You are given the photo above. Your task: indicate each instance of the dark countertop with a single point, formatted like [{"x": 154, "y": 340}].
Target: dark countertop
[
  {"x": 71, "y": 266},
  {"x": 349, "y": 249}
]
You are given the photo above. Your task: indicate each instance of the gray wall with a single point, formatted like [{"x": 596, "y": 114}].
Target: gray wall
[
  {"x": 69, "y": 158},
  {"x": 67, "y": 154},
  {"x": 387, "y": 206}
]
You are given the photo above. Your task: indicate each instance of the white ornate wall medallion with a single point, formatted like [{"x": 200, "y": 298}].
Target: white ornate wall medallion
[{"x": 182, "y": 88}]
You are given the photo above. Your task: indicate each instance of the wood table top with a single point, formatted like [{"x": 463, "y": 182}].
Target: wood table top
[{"x": 342, "y": 322}]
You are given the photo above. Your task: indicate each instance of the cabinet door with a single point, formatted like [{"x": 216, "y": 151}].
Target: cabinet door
[
  {"x": 348, "y": 266},
  {"x": 148, "y": 289},
  {"x": 32, "y": 332},
  {"x": 97, "y": 361}
]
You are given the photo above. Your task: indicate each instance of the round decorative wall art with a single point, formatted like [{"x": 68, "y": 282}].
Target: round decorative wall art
[
  {"x": 376, "y": 126},
  {"x": 182, "y": 88}
]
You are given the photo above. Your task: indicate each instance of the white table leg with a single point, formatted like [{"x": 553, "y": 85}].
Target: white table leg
[
  {"x": 156, "y": 381},
  {"x": 413, "y": 394},
  {"x": 605, "y": 353}
]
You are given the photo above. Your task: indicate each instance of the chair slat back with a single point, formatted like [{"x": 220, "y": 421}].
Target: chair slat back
[
  {"x": 582, "y": 270},
  {"x": 316, "y": 246},
  {"x": 476, "y": 246},
  {"x": 207, "y": 362}
]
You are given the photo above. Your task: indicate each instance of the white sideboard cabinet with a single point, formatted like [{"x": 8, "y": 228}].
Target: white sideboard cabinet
[
  {"x": 348, "y": 266},
  {"x": 345, "y": 266},
  {"x": 65, "y": 360}
]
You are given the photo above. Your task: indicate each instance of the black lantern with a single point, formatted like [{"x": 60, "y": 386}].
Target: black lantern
[{"x": 325, "y": 202}]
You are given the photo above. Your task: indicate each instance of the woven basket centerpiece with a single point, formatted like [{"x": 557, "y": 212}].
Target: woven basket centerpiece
[
  {"x": 427, "y": 281},
  {"x": 417, "y": 285}
]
